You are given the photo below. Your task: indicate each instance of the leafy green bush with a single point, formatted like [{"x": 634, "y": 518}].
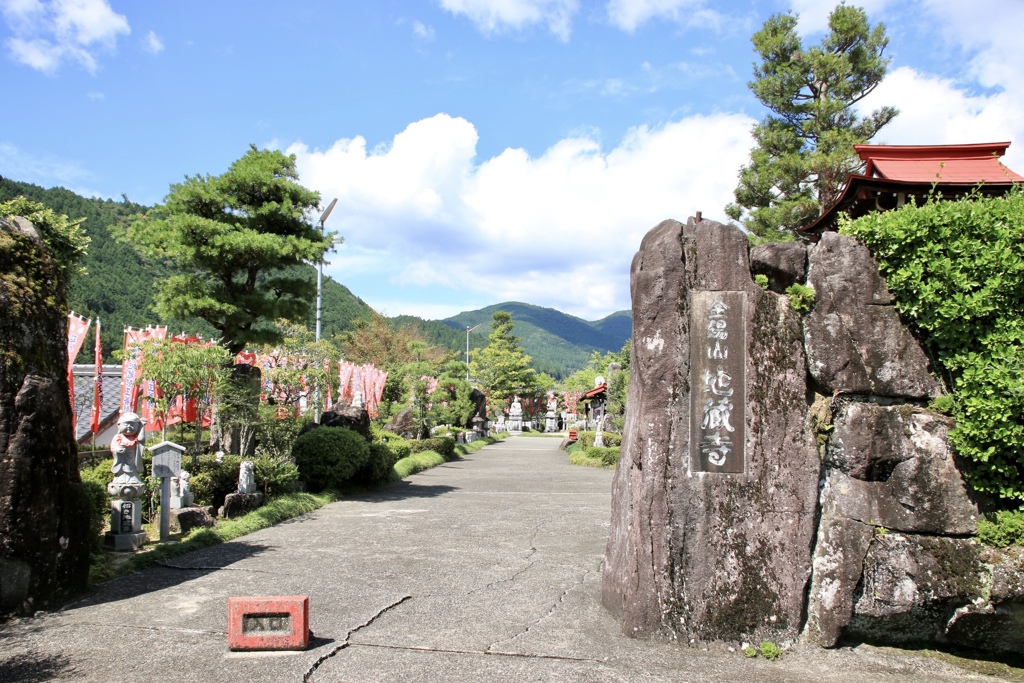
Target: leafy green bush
[
  {"x": 609, "y": 457},
  {"x": 379, "y": 468},
  {"x": 586, "y": 439},
  {"x": 1002, "y": 529},
  {"x": 212, "y": 481},
  {"x": 95, "y": 480},
  {"x": 761, "y": 280},
  {"x": 770, "y": 650},
  {"x": 397, "y": 444},
  {"x": 801, "y": 297},
  {"x": 328, "y": 457},
  {"x": 443, "y": 445},
  {"x": 274, "y": 477},
  {"x": 956, "y": 270}
]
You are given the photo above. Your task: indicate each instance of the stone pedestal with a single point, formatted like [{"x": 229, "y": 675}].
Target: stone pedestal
[
  {"x": 125, "y": 525},
  {"x": 184, "y": 501}
]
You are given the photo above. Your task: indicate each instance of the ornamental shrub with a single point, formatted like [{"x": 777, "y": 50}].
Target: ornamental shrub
[
  {"x": 95, "y": 480},
  {"x": 379, "y": 467},
  {"x": 956, "y": 270},
  {"x": 610, "y": 439},
  {"x": 442, "y": 445},
  {"x": 212, "y": 481},
  {"x": 328, "y": 457}
]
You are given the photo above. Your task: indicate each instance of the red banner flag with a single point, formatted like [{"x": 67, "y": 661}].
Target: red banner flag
[
  {"x": 77, "y": 327},
  {"x": 130, "y": 389},
  {"x": 97, "y": 399}
]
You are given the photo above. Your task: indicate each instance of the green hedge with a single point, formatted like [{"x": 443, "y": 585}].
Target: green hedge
[
  {"x": 586, "y": 439},
  {"x": 443, "y": 445},
  {"x": 956, "y": 270},
  {"x": 329, "y": 457}
]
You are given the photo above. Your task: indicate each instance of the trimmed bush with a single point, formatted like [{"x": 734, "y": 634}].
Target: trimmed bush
[
  {"x": 212, "y": 481},
  {"x": 586, "y": 439},
  {"x": 380, "y": 466},
  {"x": 329, "y": 457},
  {"x": 399, "y": 446},
  {"x": 609, "y": 457},
  {"x": 442, "y": 445},
  {"x": 95, "y": 480}
]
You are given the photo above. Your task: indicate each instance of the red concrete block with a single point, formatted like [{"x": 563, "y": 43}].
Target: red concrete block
[{"x": 279, "y": 622}]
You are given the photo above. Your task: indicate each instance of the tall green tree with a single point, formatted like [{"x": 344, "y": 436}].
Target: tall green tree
[
  {"x": 804, "y": 149},
  {"x": 238, "y": 240},
  {"x": 502, "y": 367}
]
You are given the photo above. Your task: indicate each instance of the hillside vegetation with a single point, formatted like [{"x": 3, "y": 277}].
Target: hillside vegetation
[
  {"x": 118, "y": 288},
  {"x": 559, "y": 344}
]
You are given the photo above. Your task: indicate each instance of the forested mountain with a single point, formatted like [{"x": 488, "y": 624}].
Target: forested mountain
[
  {"x": 118, "y": 285},
  {"x": 118, "y": 288},
  {"x": 558, "y": 343}
]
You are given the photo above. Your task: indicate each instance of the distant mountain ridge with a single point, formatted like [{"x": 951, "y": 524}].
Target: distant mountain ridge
[
  {"x": 119, "y": 287},
  {"x": 557, "y": 342}
]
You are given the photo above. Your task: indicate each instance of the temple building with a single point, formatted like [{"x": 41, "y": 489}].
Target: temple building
[{"x": 894, "y": 174}]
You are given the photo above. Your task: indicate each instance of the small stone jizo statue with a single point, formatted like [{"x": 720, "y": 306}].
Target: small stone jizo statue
[
  {"x": 246, "y": 478},
  {"x": 127, "y": 452}
]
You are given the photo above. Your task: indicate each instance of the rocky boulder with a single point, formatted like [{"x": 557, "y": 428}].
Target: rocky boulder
[
  {"x": 44, "y": 511},
  {"x": 184, "y": 520},
  {"x": 403, "y": 424},
  {"x": 855, "y": 341},
  {"x": 696, "y": 549},
  {"x": 783, "y": 263},
  {"x": 344, "y": 415}
]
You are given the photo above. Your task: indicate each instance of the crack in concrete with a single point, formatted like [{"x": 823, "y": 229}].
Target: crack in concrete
[
  {"x": 530, "y": 552},
  {"x": 551, "y": 611},
  {"x": 524, "y": 655},
  {"x": 308, "y": 676}
]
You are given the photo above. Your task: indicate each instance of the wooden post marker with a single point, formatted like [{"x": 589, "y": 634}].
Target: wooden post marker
[
  {"x": 268, "y": 623},
  {"x": 166, "y": 464}
]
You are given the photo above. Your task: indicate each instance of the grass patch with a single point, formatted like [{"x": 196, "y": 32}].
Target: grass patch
[
  {"x": 544, "y": 435},
  {"x": 605, "y": 458},
  {"x": 417, "y": 462},
  {"x": 109, "y": 565}
]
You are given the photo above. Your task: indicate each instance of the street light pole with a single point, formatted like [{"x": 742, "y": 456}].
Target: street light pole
[
  {"x": 320, "y": 267},
  {"x": 468, "y": 330}
]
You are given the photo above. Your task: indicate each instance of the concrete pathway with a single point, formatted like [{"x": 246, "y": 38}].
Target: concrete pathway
[{"x": 484, "y": 569}]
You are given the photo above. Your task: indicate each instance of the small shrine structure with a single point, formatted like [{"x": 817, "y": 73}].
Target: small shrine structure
[{"x": 894, "y": 174}]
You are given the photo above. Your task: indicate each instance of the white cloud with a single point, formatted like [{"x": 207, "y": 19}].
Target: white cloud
[
  {"x": 630, "y": 14},
  {"x": 422, "y": 31},
  {"x": 987, "y": 105},
  {"x": 153, "y": 44},
  {"x": 494, "y": 16},
  {"x": 45, "y": 35},
  {"x": 557, "y": 229},
  {"x": 45, "y": 170}
]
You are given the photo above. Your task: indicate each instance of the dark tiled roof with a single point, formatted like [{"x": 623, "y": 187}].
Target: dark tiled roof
[{"x": 84, "y": 384}]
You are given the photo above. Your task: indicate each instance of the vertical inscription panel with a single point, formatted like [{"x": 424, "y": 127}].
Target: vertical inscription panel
[{"x": 718, "y": 383}]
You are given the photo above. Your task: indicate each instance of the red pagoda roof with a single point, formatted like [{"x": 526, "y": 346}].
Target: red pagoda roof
[
  {"x": 895, "y": 173},
  {"x": 943, "y": 163}
]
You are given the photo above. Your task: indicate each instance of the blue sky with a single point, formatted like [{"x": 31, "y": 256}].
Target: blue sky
[{"x": 481, "y": 150}]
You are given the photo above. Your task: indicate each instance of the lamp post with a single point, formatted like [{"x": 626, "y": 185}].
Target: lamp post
[
  {"x": 320, "y": 267},
  {"x": 468, "y": 330},
  {"x": 319, "y": 298}
]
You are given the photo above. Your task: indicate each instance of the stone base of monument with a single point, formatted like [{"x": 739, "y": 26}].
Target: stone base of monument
[
  {"x": 125, "y": 542},
  {"x": 178, "y": 502},
  {"x": 239, "y": 504},
  {"x": 183, "y": 520}
]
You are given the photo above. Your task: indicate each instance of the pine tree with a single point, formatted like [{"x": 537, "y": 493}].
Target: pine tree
[
  {"x": 502, "y": 367},
  {"x": 804, "y": 150},
  {"x": 237, "y": 240}
]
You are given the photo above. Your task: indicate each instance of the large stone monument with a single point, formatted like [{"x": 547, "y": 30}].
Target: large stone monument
[
  {"x": 44, "y": 511},
  {"x": 780, "y": 476},
  {"x": 127, "y": 487},
  {"x": 716, "y": 487}
]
